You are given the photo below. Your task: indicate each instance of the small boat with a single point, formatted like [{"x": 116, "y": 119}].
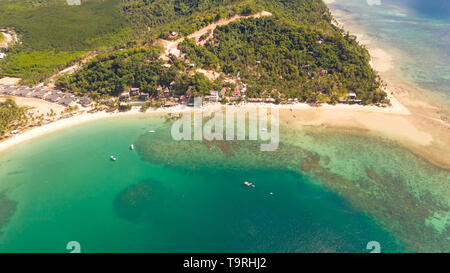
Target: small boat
[
  {"x": 152, "y": 131},
  {"x": 248, "y": 184},
  {"x": 271, "y": 193},
  {"x": 113, "y": 158},
  {"x": 132, "y": 147}
]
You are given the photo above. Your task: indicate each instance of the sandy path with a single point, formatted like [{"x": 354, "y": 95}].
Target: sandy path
[
  {"x": 171, "y": 47},
  {"x": 10, "y": 39}
]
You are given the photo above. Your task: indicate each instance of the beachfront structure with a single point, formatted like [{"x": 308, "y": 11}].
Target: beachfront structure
[
  {"x": 54, "y": 96},
  {"x": 255, "y": 100},
  {"x": 2, "y": 55},
  {"x": 144, "y": 96},
  {"x": 6, "y": 90},
  {"x": 67, "y": 100},
  {"x": 39, "y": 93},
  {"x": 170, "y": 104},
  {"x": 352, "y": 96},
  {"x": 23, "y": 91},
  {"x": 124, "y": 96},
  {"x": 84, "y": 101},
  {"x": 214, "y": 96},
  {"x": 134, "y": 92},
  {"x": 182, "y": 99}
]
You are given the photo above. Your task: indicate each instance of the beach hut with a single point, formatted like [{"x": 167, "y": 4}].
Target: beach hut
[
  {"x": 214, "y": 96},
  {"x": 39, "y": 93},
  {"x": 67, "y": 100},
  {"x": 352, "y": 96},
  {"x": 124, "y": 96},
  {"x": 23, "y": 91},
  {"x": 170, "y": 104},
  {"x": 144, "y": 96},
  {"x": 53, "y": 97},
  {"x": 134, "y": 92}
]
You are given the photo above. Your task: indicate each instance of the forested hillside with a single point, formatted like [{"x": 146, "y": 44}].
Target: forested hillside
[
  {"x": 297, "y": 52},
  {"x": 276, "y": 54},
  {"x": 110, "y": 74},
  {"x": 53, "y": 34}
]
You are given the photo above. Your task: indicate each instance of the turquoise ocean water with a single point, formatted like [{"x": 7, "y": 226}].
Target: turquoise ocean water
[
  {"x": 419, "y": 29},
  {"x": 64, "y": 188},
  {"x": 168, "y": 196},
  {"x": 323, "y": 190}
]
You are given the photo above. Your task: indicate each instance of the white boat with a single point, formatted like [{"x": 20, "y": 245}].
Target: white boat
[
  {"x": 132, "y": 147},
  {"x": 113, "y": 158},
  {"x": 152, "y": 131}
]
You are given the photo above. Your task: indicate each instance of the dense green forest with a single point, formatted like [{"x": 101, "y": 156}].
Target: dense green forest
[
  {"x": 184, "y": 16},
  {"x": 10, "y": 113},
  {"x": 54, "y": 34},
  {"x": 297, "y": 51},
  {"x": 110, "y": 74},
  {"x": 274, "y": 53}
]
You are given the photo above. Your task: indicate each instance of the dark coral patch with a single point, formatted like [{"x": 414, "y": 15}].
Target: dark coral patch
[{"x": 7, "y": 209}]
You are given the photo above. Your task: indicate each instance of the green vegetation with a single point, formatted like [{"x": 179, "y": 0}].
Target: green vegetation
[
  {"x": 2, "y": 37},
  {"x": 282, "y": 54},
  {"x": 184, "y": 16},
  {"x": 36, "y": 66},
  {"x": 296, "y": 53},
  {"x": 54, "y": 34},
  {"x": 111, "y": 74},
  {"x": 11, "y": 116}
]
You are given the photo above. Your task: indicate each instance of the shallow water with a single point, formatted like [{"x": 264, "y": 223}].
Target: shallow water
[
  {"x": 420, "y": 29},
  {"x": 332, "y": 190},
  {"x": 168, "y": 196}
]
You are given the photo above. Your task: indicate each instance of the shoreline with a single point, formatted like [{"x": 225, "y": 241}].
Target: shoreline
[
  {"x": 428, "y": 113},
  {"x": 396, "y": 109},
  {"x": 409, "y": 121}
]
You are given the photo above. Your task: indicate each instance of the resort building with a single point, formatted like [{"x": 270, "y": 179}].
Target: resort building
[
  {"x": 144, "y": 96},
  {"x": 170, "y": 104},
  {"x": 84, "y": 101},
  {"x": 39, "y": 93},
  {"x": 124, "y": 96},
  {"x": 23, "y": 91},
  {"x": 134, "y": 92},
  {"x": 67, "y": 100},
  {"x": 214, "y": 96},
  {"x": 54, "y": 96}
]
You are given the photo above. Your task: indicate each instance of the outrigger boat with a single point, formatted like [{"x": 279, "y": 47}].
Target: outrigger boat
[
  {"x": 113, "y": 158},
  {"x": 132, "y": 147},
  {"x": 151, "y": 131}
]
